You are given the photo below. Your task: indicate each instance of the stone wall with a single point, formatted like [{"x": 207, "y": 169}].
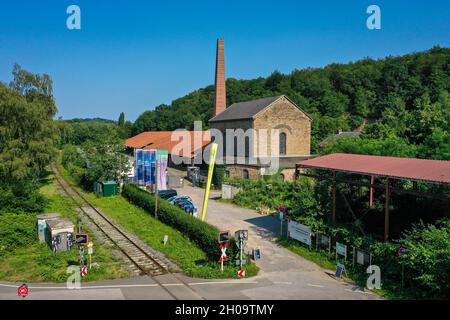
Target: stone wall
[{"x": 287, "y": 118}]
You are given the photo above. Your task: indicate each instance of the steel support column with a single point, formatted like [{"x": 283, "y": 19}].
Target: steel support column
[
  {"x": 386, "y": 211},
  {"x": 334, "y": 197},
  {"x": 371, "y": 192}
]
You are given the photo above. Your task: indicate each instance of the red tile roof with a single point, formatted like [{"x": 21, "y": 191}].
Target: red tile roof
[
  {"x": 402, "y": 168},
  {"x": 170, "y": 140}
]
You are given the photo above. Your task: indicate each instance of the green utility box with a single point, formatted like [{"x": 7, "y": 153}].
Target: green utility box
[{"x": 106, "y": 188}]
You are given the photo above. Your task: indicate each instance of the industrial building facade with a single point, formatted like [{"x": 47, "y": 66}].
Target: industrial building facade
[{"x": 262, "y": 119}]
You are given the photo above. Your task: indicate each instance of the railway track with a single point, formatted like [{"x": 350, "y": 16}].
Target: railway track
[{"x": 143, "y": 260}]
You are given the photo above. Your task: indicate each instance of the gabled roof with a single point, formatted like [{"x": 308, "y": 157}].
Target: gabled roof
[
  {"x": 247, "y": 110},
  {"x": 401, "y": 168},
  {"x": 244, "y": 110},
  {"x": 163, "y": 140}
]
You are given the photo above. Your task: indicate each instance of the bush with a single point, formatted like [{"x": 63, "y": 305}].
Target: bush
[
  {"x": 16, "y": 230},
  {"x": 22, "y": 197},
  {"x": 218, "y": 175},
  {"x": 201, "y": 233},
  {"x": 427, "y": 262}
]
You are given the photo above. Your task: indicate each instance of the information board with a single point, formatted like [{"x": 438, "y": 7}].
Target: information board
[
  {"x": 299, "y": 232},
  {"x": 341, "y": 249}
]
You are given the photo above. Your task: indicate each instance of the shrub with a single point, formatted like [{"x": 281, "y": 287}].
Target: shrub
[
  {"x": 16, "y": 230},
  {"x": 22, "y": 197},
  {"x": 218, "y": 175},
  {"x": 201, "y": 233}
]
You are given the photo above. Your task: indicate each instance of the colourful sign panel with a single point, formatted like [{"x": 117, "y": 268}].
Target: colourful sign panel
[
  {"x": 145, "y": 168},
  {"x": 162, "y": 156}
]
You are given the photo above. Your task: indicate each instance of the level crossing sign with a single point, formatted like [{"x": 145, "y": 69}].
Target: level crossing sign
[{"x": 223, "y": 249}]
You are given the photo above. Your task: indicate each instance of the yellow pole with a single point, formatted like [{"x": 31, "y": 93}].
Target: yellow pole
[{"x": 212, "y": 160}]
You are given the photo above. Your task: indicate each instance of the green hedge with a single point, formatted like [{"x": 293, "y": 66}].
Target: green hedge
[{"x": 201, "y": 233}]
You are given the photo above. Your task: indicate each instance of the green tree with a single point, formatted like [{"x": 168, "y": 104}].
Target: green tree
[
  {"x": 121, "y": 121},
  {"x": 27, "y": 138}
]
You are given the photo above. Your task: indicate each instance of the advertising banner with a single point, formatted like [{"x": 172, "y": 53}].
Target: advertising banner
[
  {"x": 139, "y": 167},
  {"x": 162, "y": 157},
  {"x": 152, "y": 169},
  {"x": 147, "y": 172},
  {"x": 145, "y": 168},
  {"x": 299, "y": 232}
]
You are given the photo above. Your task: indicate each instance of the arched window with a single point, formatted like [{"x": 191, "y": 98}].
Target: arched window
[
  {"x": 283, "y": 143},
  {"x": 245, "y": 174},
  {"x": 281, "y": 177},
  {"x": 247, "y": 147}
]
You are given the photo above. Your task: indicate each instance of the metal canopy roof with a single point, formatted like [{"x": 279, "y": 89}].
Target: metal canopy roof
[{"x": 401, "y": 168}]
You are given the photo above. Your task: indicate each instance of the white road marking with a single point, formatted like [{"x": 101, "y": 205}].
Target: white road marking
[
  {"x": 359, "y": 291},
  {"x": 222, "y": 282},
  {"x": 281, "y": 282},
  {"x": 314, "y": 285},
  {"x": 133, "y": 285}
]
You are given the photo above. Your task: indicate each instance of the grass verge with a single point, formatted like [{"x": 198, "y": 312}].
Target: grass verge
[
  {"x": 35, "y": 262},
  {"x": 179, "y": 248}
]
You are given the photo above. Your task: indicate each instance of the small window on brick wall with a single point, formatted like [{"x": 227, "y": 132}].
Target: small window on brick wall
[
  {"x": 283, "y": 143},
  {"x": 245, "y": 174}
]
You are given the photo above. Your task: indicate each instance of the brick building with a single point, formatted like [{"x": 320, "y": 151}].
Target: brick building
[{"x": 252, "y": 152}]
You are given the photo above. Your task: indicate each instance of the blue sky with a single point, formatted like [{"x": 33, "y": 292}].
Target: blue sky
[{"x": 134, "y": 55}]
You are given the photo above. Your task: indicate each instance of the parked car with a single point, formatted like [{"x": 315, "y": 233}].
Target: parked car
[
  {"x": 184, "y": 203},
  {"x": 188, "y": 207},
  {"x": 175, "y": 200},
  {"x": 166, "y": 194}
]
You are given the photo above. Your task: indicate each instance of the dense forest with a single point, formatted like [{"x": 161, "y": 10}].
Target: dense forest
[{"x": 401, "y": 104}]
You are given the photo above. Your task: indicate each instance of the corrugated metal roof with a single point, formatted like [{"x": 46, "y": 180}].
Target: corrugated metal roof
[
  {"x": 163, "y": 140},
  {"x": 402, "y": 168},
  {"x": 244, "y": 110}
]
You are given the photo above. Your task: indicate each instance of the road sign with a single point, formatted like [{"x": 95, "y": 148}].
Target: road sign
[
  {"x": 90, "y": 250},
  {"x": 223, "y": 256},
  {"x": 81, "y": 252},
  {"x": 224, "y": 236},
  {"x": 84, "y": 271},
  {"x": 241, "y": 273},
  {"x": 241, "y": 235},
  {"x": 238, "y": 262},
  {"x": 82, "y": 238},
  {"x": 22, "y": 291},
  {"x": 223, "y": 249}
]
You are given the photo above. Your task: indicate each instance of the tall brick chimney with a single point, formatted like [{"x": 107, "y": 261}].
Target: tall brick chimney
[{"x": 220, "y": 102}]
